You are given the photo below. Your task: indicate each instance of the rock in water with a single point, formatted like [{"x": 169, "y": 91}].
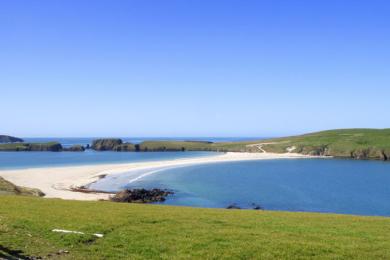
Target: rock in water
[
  {"x": 256, "y": 206},
  {"x": 141, "y": 195},
  {"x": 233, "y": 206},
  {"x": 106, "y": 144}
]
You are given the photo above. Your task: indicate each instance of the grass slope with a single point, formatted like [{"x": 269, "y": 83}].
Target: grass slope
[
  {"x": 8, "y": 188},
  {"x": 349, "y": 143},
  {"x": 134, "y": 231},
  {"x": 353, "y": 143}
]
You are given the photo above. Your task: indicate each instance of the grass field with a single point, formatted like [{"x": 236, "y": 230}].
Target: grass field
[{"x": 133, "y": 231}]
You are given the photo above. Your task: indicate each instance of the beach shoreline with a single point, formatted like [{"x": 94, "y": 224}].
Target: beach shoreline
[{"x": 61, "y": 182}]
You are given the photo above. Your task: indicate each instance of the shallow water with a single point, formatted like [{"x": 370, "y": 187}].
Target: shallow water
[{"x": 316, "y": 185}]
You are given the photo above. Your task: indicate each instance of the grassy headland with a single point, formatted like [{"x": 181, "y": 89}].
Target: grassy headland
[
  {"x": 350, "y": 143},
  {"x": 134, "y": 231},
  {"x": 346, "y": 143}
]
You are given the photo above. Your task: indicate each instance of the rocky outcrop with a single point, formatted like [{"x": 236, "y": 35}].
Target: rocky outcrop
[
  {"x": 312, "y": 150},
  {"x": 7, "y": 187},
  {"x": 141, "y": 196},
  {"x": 74, "y": 148},
  {"x": 233, "y": 206},
  {"x": 10, "y": 139},
  {"x": 106, "y": 144},
  {"x": 112, "y": 144}
]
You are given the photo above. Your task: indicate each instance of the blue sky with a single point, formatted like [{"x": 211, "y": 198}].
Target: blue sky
[{"x": 192, "y": 68}]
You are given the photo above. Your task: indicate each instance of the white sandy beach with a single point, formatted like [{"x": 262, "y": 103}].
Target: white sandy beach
[{"x": 57, "y": 182}]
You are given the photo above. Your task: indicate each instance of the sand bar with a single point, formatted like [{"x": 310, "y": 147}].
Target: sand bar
[{"x": 57, "y": 182}]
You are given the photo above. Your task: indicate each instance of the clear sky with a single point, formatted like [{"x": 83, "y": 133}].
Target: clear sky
[{"x": 193, "y": 67}]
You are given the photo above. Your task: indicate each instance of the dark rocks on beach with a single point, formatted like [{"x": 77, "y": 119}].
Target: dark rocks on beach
[
  {"x": 253, "y": 206},
  {"x": 141, "y": 195}
]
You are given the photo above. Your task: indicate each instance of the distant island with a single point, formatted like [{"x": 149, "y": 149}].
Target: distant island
[
  {"x": 10, "y": 139},
  {"x": 343, "y": 143}
]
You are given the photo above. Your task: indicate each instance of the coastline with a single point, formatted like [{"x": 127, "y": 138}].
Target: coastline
[{"x": 59, "y": 182}]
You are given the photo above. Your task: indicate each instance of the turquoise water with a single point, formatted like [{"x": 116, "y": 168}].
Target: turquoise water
[{"x": 315, "y": 185}]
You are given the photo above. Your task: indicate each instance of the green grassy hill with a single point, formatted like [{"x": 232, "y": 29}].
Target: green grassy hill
[
  {"x": 347, "y": 143},
  {"x": 134, "y": 231},
  {"x": 351, "y": 143}
]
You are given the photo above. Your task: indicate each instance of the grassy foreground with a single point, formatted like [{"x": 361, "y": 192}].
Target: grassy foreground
[{"x": 134, "y": 231}]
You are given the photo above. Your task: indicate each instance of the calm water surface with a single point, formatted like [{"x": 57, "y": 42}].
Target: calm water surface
[{"x": 317, "y": 185}]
